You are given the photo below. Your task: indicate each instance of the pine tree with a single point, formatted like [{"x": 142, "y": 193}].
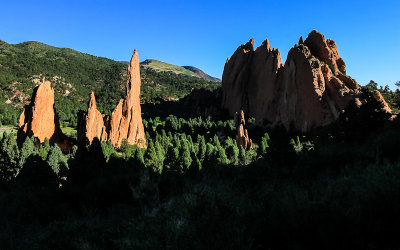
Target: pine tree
[
  {"x": 177, "y": 142},
  {"x": 231, "y": 150},
  {"x": 195, "y": 166},
  {"x": 9, "y": 155},
  {"x": 171, "y": 157},
  {"x": 57, "y": 161},
  {"x": 190, "y": 141},
  {"x": 202, "y": 148},
  {"x": 160, "y": 157},
  {"x": 28, "y": 149},
  {"x": 164, "y": 140},
  {"x": 150, "y": 157},
  {"x": 184, "y": 156},
  {"x": 264, "y": 145},
  {"x": 209, "y": 158},
  {"x": 138, "y": 158},
  {"x": 108, "y": 150},
  {"x": 221, "y": 156},
  {"x": 242, "y": 155},
  {"x": 215, "y": 141}
]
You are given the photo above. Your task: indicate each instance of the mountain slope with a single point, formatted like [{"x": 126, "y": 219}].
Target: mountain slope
[
  {"x": 201, "y": 73},
  {"x": 159, "y": 66},
  {"x": 73, "y": 76}
]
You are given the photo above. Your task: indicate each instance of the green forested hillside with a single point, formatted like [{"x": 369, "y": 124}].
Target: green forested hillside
[
  {"x": 165, "y": 67},
  {"x": 201, "y": 73},
  {"x": 73, "y": 75},
  {"x": 159, "y": 66}
]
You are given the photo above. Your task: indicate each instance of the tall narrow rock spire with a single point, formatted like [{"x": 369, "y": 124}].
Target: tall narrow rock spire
[{"x": 125, "y": 121}]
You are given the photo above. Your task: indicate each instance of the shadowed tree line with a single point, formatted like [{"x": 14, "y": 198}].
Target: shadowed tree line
[{"x": 193, "y": 188}]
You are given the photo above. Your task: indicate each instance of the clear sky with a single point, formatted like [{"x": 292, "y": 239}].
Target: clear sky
[{"x": 205, "y": 33}]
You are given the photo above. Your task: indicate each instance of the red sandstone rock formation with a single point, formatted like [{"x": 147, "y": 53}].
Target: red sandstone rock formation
[
  {"x": 125, "y": 121},
  {"x": 378, "y": 96},
  {"x": 94, "y": 122},
  {"x": 242, "y": 137},
  {"x": 39, "y": 118},
  {"x": 310, "y": 90}
]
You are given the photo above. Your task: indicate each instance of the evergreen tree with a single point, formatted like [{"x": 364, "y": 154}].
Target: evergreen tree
[
  {"x": 232, "y": 151},
  {"x": 202, "y": 148},
  {"x": 44, "y": 149},
  {"x": 164, "y": 140},
  {"x": 150, "y": 157},
  {"x": 195, "y": 166},
  {"x": 171, "y": 157},
  {"x": 57, "y": 161},
  {"x": 215, "y": 141},
  {"x": 242, "y": 155},
  {"x": 264, "y": 145},
  {"x": 108, "y": 150},
  {"x": 171, "y": 123},
  {"x": 190, "y": 141},
  {"x": 28, "y": 149},
  {"x": 209, "y": 158},
  {"x": 138, "y": 158},
  {"x": 177, "y": 142},
  {"x": 160, "y": 157},
  {"x": 184, "y": 156},
  {"x": 221, "y": 157},
  {"x": 9, "y": 155}
]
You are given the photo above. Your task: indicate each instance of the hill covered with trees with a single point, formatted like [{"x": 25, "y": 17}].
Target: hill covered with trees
[{"x": 74, "y": 75}]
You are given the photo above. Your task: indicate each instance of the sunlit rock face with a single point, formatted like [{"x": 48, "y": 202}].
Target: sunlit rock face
[
  {"x": 310, "y": 90},
  {"x": 39, "y": 118},
  {"x": 125, "y": 121}
]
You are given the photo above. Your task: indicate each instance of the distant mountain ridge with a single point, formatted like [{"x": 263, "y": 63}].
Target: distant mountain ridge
[
  {"x": 202, "y": 74},
  {"x": 192, "y": 71}
]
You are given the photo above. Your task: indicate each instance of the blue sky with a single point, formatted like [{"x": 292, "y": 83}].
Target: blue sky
[{"x": 205, "y": 33}]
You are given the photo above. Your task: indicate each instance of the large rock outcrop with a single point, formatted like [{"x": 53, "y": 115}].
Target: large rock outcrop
[
  {"x": 125, "y": 121},
  {"x": 310, "y": 90},
  {"x": 39, "y": 118}
]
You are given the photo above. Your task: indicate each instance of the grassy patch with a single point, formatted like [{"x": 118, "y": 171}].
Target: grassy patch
[
  {"x": 161, "y": 66},
  {"x": 69, "y": 131},
  {"x": 9, "y": 129}
]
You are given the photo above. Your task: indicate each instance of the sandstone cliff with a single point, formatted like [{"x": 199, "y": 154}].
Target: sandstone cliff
[
  {"x": 39, "y": 118},
  {"x": 310, "y": 90},
  {"x": 125, "y": 121}
]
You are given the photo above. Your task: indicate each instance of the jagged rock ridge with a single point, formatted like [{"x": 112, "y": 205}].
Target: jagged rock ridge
[
  {"x": 125, "y": 121},
  {"x": 310, "y": 90}
]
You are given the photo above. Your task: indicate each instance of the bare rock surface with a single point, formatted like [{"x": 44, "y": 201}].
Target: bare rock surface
[
  {"x": 39, "y": 118},
  {"x": 125, "y": 121},
  {"x": 242, "y": 136},
  {"x": 310, "y": 90}
]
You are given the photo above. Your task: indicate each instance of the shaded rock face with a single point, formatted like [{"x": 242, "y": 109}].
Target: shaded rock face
[
  {"x": 310, "y": 90},
  {"x": 125, "y": 121},
  {"x": 39, "y": 118},
  {"x": 203, "y": 102},
  {"x": 242, "y": 136}
]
